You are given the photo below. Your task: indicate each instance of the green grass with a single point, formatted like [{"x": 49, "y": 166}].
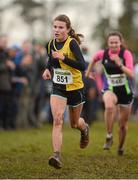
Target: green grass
[{"x": 24, "y": 154}]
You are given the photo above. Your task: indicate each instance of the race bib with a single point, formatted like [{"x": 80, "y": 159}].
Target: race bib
[
  {"x": 117, "y": 80},
  {"x": 62, "y": 76}
]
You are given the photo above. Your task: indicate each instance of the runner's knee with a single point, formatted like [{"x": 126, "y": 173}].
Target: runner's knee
[
  {"x": 109, "y": 109},
  {"x": 123, "y": 127},
  {"x": 58, "y": 119}
]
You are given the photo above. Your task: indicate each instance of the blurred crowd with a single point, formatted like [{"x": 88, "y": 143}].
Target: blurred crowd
[
  {"x": 24, "y": 95},
  {"x": 23, "y": 92}
]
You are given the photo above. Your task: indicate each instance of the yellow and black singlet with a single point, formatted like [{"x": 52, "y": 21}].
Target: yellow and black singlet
[{"x": 67, "y": 74}]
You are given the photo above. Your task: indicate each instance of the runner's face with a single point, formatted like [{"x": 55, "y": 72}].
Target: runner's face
[
  {"x": 60, "y": 31},
  {"x": 114, "y": 43}
]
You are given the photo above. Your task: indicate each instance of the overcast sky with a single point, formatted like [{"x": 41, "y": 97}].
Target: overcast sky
[{"x": 83, "y": 15}]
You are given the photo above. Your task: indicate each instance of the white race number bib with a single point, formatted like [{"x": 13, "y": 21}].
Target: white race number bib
[
  {"x": 117, "y": 80},
  {"x": 62, "y": 76}
]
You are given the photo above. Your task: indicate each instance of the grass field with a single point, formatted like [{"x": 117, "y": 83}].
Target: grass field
[{"x": 24, "y": 154}]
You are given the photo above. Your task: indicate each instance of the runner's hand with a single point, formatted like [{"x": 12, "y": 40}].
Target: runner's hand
[
  {"x": 57, "y": 55},
  {"x": 90, "y": 75},
  {"x": 46, "y": 74}
]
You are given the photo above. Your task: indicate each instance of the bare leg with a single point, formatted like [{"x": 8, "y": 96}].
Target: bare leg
[
  {"x": 124, "y": 115},
  {"x": 58, "y": 105},
  {"x": 110, "y": 101},
  {"x": 79, "y": 123},
  {"x": 75, "y": 120}
]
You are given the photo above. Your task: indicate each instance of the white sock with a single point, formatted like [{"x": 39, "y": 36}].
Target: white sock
[{"x": 109, "y": 135}]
